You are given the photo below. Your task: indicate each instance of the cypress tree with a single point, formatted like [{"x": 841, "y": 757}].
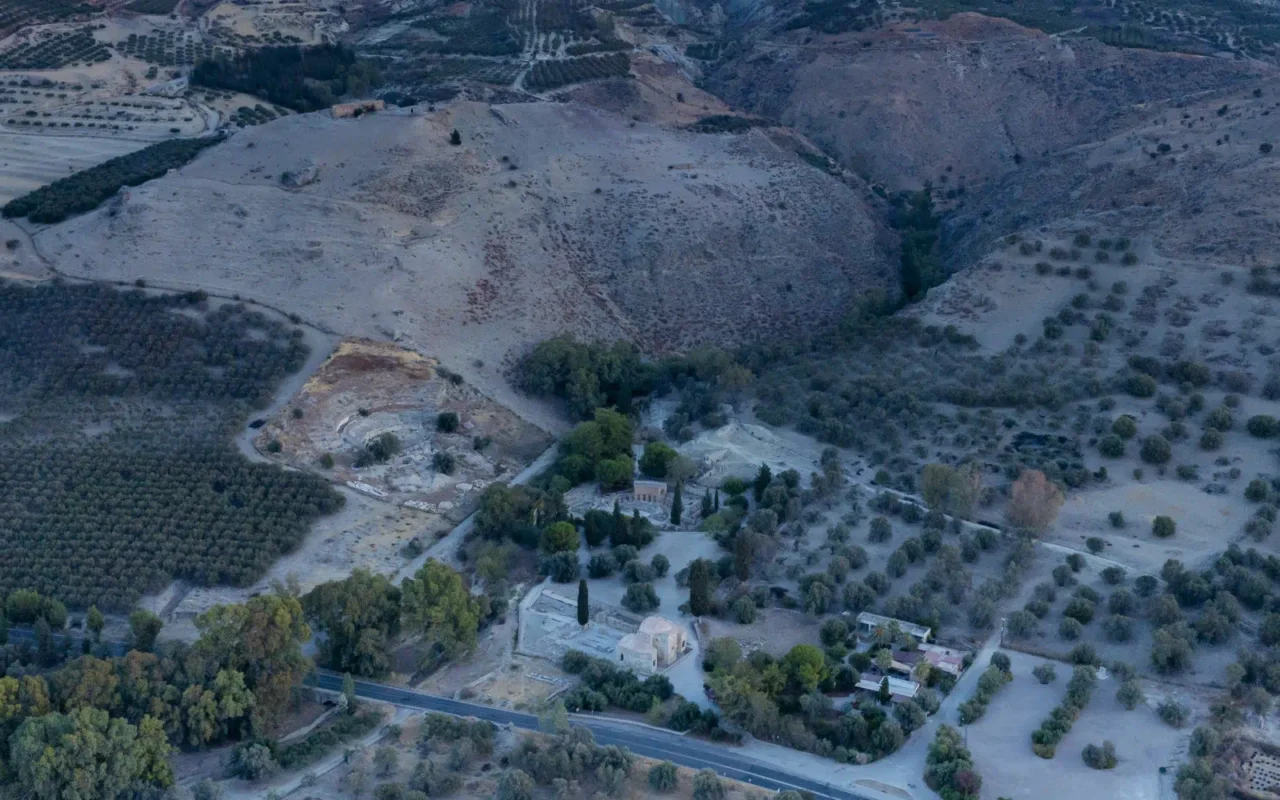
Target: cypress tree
[
  {"x": 706, "y": 504},
  {"x": 885, "y": 694},
  {"x": 763, "y": 478},
  {"x": 584, "y": 607},
  {"x": 717, "y": 499},
  {"x": 619, "y": 525},
  {"x": 699, "y": 587},
  {"x": 677, "y": 503},
  {"x": 349, "y": 692},
  {"x": 4, "y": 627}
]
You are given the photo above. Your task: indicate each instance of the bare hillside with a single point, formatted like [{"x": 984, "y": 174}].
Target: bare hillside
[
  {"x": 546, "y": 218},
  {"x": 959, "y": 101}
]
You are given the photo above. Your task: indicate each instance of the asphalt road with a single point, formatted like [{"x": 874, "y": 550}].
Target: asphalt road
[{"x": 641, "y": 740}]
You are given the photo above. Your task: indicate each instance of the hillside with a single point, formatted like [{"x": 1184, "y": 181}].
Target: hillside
[
  {"x": 546, "y": 218},
  {"x": 960, "y": 101}
]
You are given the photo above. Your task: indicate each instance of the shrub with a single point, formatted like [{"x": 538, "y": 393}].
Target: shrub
[
  {"x": 1113, "y": 575},
  {"x": 561, "y": 567},
  {"x": 1262, "y": 426},
  {"x": 1163, "y": 527},
  {"x": 657, "y": 459},
  {"x": 1118, "y": 628},
  {"x": 1130, "y": 694},
  {"x": 1100, "y": 757},
  {"x": 1257, "y": 490},
  {"x": 601, "y": 565},
  {"x": 880, "y": 530},
  {"x": 1156, "y": 450},
  {"x": 1111, "y": 446},
  {"x": 1075, "y": 561},
  {"x": 640, "y": 597},
  {"x": 663, "y": 777},
  {"x": 1116, "y": 518},
  {"x": 1045, "y": 673},
  {"x": 1070, "y": 628},
  {"x": 1210, "y": 440},
  {"x": 1145, "y": 585},
  {"x": 1173, "y": 713},
  {"x": 447, "y": 422},
  {"x": 1125, "y": 427},
  {"x": 1219, "y": 419},
  {"x": 444, "y": 462},
  {"x": 1021, "y": 624}
]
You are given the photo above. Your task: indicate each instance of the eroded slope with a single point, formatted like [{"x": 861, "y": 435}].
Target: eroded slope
[{"x": 546, "y": 218}]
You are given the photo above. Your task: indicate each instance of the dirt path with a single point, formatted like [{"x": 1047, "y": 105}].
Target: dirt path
[{"x": 321, "y": 344}]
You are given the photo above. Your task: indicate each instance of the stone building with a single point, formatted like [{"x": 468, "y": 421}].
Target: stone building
[
  {"x": 657, "y": 645},
  {"x": 649, "y": 491}
]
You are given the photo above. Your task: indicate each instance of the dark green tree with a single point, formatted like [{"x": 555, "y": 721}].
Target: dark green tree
[
  {"x": 144, "y": 627},
  {"x": 763, "y": 478},
  {"x": 584, "y": 605},
  {"x": 707, "y": 509},
  {"x": 677, "y": 503},
  {"x": 700, "y": 587}
]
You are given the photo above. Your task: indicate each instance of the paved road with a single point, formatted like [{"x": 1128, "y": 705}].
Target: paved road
[{"x": 642, "y": 740}]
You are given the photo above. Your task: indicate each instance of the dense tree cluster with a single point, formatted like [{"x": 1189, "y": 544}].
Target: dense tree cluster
[
  {"x": 921, "y": 267},
  {"x": 113, "y": 721},
  {"x": 158, "y": 494},
  {"x": 83, "y": 191},
  {"x": 949, "y": 769},
  {"x": 301, "y": 78},
  {"x": 358, "y": 616},
  {"x": 604, "y": 685},
  {"x": 586, "y": 376},
  {"x": 785, "y": 701}
]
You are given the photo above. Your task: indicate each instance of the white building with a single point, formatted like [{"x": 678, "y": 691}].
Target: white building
[
  {"x": 899, "y": 689},
  {"x": 869, "y": 623},
  {"x": 657, "y": 645}
]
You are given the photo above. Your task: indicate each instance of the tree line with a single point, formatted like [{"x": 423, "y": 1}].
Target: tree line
[{"x": 84, "y": 191}]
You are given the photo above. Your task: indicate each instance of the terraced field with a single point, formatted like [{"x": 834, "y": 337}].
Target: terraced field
[{"x": 72, "y": 48}]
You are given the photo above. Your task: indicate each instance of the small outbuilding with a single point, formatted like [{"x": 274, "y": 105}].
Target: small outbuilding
[{"x": 649, "y": 491}]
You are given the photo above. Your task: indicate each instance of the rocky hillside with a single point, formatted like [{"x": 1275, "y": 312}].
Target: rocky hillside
[
  {"x": 545, "y": 218},
  {"x": 957, "y": 102}
]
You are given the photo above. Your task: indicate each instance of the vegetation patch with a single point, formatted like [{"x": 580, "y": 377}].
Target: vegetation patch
[
  {"x": 115, "y": 468},
  {"x": 726, "y": 123},
  {"x": 547, "y": 75},
  {"x": 303, "y": 79},
  {"x": 85, "y": 190},
  {"x": 54, "y": 52}
]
